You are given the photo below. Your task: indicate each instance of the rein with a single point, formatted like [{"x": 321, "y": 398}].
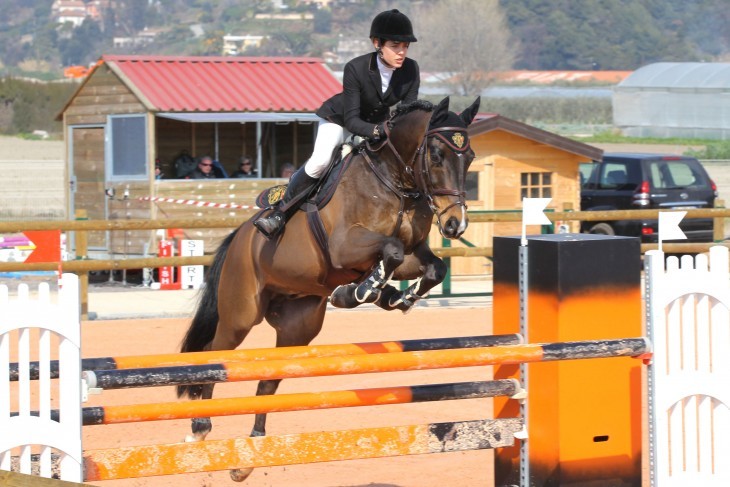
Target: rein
[
  {"x": 421, "y": 175},
  {"x": 401, "y": 192}
]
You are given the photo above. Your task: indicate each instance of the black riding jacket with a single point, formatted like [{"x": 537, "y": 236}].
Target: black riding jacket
[{"x": 362, "y": 104}]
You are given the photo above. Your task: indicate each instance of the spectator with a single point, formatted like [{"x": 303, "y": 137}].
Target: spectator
[
  {"x": 158, "y": 170},
  {"x": 287, "y": 170},
  {"x": 245, "y": 169},
  {"x": 204, "y": 169}
]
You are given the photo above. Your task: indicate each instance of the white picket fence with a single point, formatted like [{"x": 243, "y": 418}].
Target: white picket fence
[
  {"x": 24, "y": 434},
  {"x": 688, "y": 321}
]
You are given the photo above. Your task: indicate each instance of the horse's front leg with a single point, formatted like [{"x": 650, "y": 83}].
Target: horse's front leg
[
  {"x": 391, "y": 253},
  {"x": 428, "y": 270}
]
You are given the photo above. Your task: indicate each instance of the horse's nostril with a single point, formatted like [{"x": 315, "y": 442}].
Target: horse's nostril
[{"x": 452, "y": 226}]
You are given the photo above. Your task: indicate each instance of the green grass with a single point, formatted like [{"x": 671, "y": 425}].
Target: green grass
[
  {"x": 613, "y": 137},
  {"x": 711, "y": 149}
]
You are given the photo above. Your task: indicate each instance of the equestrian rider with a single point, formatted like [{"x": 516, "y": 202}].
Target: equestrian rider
[{"x": 371, "y": 85}]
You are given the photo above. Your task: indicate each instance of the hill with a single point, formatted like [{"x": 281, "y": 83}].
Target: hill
[{"x": 551, "y": 34}]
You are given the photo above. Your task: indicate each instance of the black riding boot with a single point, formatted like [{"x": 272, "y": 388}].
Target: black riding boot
[{"x": 299, "y": 187}]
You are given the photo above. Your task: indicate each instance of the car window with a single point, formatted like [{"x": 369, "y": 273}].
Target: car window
[
  {"x": 584, "y": 171},
  {"x": 615, "y": 175},
  {"x": 676, "y": 175}
]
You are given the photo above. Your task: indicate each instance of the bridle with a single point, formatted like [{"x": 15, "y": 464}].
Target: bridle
[
  {"x": 423, "y": 176},
  {"x": 420, "y": 178}
]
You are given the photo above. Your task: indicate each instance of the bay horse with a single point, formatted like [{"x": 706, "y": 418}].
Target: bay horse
[{"x": 376, "y": 223}]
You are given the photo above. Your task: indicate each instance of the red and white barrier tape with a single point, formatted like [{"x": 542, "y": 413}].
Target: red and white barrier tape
[{"x": 198, "y": 203}]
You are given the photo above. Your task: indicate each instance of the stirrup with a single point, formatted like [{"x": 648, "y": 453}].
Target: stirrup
[{"x": 270, "y": 226}]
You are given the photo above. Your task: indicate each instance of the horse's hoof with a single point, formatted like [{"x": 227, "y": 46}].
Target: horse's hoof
[
  {"x": 343, "y": 297},
  {"x": 240, "y": 474}
]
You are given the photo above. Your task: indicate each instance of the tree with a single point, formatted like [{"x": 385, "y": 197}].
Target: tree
[{"x": 467, "y": 38}]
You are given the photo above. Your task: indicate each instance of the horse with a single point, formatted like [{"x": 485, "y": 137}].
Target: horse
[{"x": 374, "y": 228}]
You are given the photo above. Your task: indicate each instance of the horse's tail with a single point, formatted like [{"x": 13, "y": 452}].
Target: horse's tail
[{"x": 205, "y": 321}]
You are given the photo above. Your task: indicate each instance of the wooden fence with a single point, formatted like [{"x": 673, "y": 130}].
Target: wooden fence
[{"x": 83, "y": 265}]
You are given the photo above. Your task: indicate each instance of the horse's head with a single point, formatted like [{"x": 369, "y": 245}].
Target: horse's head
[{"x": 441, "y": 176}]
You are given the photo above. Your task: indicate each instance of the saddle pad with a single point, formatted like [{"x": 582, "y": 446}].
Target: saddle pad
[
  {"x": 325, "y": 189},
  {"x": 270, "y": 196}
]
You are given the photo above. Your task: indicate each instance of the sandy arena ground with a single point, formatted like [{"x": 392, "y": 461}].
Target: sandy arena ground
[{"x": 127, "y": 337}]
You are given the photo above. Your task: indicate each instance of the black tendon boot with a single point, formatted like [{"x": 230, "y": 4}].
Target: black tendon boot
[{"x": 299, "y": 187}]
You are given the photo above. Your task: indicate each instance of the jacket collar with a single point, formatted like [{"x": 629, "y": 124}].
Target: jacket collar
[{"x": 375, "y": 75}]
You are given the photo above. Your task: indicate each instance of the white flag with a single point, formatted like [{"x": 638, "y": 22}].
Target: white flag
[
  {"x": 532, "y": 211},
  {"x": 669, "y": 225}
]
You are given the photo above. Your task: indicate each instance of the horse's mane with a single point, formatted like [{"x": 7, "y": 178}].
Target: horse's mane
[{"x": 402, "y": 109}]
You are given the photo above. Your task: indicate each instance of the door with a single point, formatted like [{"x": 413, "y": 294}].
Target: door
[{"x": 87, "y": 176}]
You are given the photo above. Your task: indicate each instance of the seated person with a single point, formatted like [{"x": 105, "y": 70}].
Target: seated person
[
  {"x": 287, "y": 170},
  {"x": 204, "y": 169},
  {"x": 245, "y": 169}
]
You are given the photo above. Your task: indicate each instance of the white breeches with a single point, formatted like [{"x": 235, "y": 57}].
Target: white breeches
[{"x": 329, "y": 136}]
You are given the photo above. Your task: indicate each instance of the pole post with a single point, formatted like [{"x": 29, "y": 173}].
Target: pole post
[{"x": 81, "y": 254}]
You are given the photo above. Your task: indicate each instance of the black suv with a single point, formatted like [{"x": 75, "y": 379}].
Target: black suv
[{"x": 624, "y": 181}]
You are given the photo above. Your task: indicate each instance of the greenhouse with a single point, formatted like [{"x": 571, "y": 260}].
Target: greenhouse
[{"x": 675, "y": 100}]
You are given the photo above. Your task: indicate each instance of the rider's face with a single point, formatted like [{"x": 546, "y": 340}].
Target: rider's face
[{"x": 394, "y": 53}]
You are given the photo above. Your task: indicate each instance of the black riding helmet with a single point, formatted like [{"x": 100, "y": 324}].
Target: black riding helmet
[{"x": 393, "y": 26}]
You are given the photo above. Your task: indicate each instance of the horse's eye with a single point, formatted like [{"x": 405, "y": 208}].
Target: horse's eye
[{"x": 436, "y": 155}]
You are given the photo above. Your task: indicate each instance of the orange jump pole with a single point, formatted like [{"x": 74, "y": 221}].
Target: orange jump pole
[
  {"x": 134, "y": 413},
  {"x": 269, "y": 451},
  {"x": 246, "y": 355},
  {"x": 362, "y": 364}
]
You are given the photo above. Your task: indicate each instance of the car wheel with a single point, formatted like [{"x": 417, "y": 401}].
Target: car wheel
[{"x": 602, "y": 229}]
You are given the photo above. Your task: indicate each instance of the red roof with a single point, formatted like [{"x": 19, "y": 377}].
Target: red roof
[{"x": 226, "y": 84}]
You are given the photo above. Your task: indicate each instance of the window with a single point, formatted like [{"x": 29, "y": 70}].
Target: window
[
  {"x": 471, "y": 186},
  {"x": 536, "y": 185},
  {"x": 128, "y": 150}
]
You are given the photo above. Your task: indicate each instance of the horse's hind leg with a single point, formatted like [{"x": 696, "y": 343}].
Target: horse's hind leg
[
  {"x": 232, "y": 328},
  {"x": 296, "y": 321}
]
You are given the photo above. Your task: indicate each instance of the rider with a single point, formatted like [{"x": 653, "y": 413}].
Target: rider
[{"x": 372, "y": 84}]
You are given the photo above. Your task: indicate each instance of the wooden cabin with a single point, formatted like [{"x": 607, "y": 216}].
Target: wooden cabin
[
  {"x": 133, "y": 111},
  {"x": 516, "y": 160}
]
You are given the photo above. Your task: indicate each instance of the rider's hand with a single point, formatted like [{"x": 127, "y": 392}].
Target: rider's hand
[{"x": 379, "y": 132}]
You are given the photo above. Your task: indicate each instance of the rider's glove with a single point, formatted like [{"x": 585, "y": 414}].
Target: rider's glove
[{"x": 379, "y": 132}]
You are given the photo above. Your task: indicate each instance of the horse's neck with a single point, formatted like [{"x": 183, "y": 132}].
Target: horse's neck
[{"x": 391, "y": 172}]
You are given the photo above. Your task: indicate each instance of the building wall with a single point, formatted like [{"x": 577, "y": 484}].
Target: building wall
[
  {"x": 103, "y": 94},
  {"x": 501, "y": 159},
  {"x": 664, "y": 112}
]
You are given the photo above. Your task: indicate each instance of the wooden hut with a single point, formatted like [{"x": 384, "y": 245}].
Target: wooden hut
[
  {"x": 516, "y": 160},
  {"x": 133, "y": 111}
]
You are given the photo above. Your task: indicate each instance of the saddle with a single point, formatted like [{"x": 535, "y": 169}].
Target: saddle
[
  {"x": 320, "y": 195},
  {"x": 318, "y": 199}
]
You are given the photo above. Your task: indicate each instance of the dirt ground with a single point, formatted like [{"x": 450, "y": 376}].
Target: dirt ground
[{"x": 128, "y": 337}]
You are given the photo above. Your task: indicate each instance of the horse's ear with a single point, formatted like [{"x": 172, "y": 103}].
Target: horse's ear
[
  {"x": 441, "y": 110},
  {"x": 468, "y": 115}
]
